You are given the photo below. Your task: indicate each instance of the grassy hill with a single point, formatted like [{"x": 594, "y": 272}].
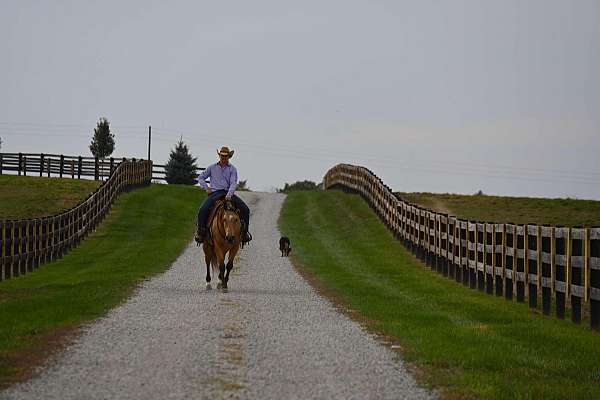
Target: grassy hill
[
  {"x": 518, "y": 210},
  {"x": 32, "y": 197},
  {"x": 142, "y": 235},
  {"x": 461, "y": 341}
]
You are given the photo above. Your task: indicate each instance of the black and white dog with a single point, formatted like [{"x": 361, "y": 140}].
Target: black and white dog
[{"x": 284, "y": 246}]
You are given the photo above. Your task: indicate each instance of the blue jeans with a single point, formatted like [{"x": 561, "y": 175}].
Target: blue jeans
[{"x": 210, "y": 201}]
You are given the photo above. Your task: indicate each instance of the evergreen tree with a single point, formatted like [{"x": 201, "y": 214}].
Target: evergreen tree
[
  {"x": 181, "y": 167},
  {"x": 103, "y": 142}
]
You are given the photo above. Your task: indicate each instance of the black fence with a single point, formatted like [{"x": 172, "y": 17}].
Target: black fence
[
  {"x": 557, "y": 268},
  {"x": 25, "y": 244},
  {"x": 75, "y": 167}
]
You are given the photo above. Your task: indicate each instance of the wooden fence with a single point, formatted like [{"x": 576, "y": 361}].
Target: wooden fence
[
  {"x": 27, "y": 243},
  {"x": 62, "y": 166},
  {"x": 556, "y": 266}
]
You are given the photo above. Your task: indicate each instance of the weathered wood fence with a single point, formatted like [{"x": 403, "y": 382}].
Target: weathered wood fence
[
  {"x": 36, "y": 164},
  {"x": 556, "y": 266},
  {"x": 27, "y": 243}
]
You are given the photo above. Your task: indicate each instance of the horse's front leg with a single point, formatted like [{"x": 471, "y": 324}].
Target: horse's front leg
[
  {"x": 220, "y": 257},
  {"x": 229, "y": 267},
  {"x": 208, "y": 255},
  {"x": 231, "y": 257}
]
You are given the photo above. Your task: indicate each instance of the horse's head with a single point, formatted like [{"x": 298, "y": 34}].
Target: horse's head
[{"x": 231, "y": 222}]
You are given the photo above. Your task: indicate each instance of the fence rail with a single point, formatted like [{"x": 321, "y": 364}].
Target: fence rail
[
  {"x": 557, "y": 266},
  {"x": 27, "y": 243},
  {"x": 40, "y": 164}
]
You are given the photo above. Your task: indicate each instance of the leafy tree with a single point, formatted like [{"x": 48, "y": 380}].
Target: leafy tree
[
  {"x": 103, "y": 142},
  {"x": 181, "y": 167},
  {"x": 242, "y": 186},
  {"x": 300, "y": 185}
]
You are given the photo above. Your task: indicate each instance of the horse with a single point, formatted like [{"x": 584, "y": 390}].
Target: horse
[{"x": 224, "y": 228}]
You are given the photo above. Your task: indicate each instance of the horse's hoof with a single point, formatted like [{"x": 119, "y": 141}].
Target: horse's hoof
[
  {"x": 208, "y": 286},
  {"x": 219, "y": 285}
]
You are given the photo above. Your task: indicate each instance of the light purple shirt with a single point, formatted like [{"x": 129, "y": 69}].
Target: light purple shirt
[{"x": 221, "y": 178}]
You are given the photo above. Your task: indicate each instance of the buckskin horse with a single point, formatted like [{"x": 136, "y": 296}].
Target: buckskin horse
[{"x": 224, "y": 228}]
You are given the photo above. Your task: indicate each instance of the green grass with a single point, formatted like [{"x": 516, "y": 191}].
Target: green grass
[
  {"x": 518, "y": 210},
  {"x": 33, "y": 197},
  {"x": 467, "y": 343},
  {"x": 142, "y": 235}
]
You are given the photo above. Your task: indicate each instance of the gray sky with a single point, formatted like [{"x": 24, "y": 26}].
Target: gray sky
[{"x": 442, "y": 96}]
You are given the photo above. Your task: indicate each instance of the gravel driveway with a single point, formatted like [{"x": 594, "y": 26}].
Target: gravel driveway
[{"x": 270, "y": 337}]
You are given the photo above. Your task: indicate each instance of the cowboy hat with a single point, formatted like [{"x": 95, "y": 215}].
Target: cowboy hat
[{"x": 225, "y": 152}]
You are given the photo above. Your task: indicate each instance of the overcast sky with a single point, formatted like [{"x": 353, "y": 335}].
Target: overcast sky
[{"x": 441, "y": 96}]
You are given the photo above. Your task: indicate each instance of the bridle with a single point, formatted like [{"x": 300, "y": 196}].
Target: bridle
[{"x": 227, "y": 207}]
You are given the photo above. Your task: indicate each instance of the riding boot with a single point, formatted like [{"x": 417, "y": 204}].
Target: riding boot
[
  {"x": 200, "y": 235},
  {"x": 246, "y": 236}
]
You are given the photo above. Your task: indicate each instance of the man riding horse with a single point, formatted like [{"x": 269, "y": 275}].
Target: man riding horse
[{"x": 223, "y": 181}]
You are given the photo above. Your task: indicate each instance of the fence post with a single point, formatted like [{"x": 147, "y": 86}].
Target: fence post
[
  {"x": 96, "y": 169},
  {"x": 29, "y": 250},
  {"x": 577, "y": 273},
  {"x": 49, "y": 166},
  {"x": 479, "y": 255},
  {"x": 560, "y": 250},
  {"x": 40, "y": 242},
  {"x": 54, "y": 232},
  {"x": 2, "y": 251},
  {"x": 533, "y": 266},
  {"x": 546, "y": 267},
  {"x": 510, "y": 261},
  {"x": 112, "y": 166},
  {"x": 498, "y": 260},
  {"x": 35, "y": 243},
  {"x": 16, "y": 243},
  {"x": 24, "y": 166},
  {"x": 451, "y": 231},
  {"x": 41, "y": 164},
  {"x": 10, "y": 253},
  {"x": 1, "y": 166},
  {"x": 594, "y": 267},
  {"x": 520, "y": 258},
  {"x": 43, "y": 240},
  {"x": 62, "y": 165},
  {"x": 79, "y": 166},
  {"x": 490, "y": 272},
  {"x": 20, "y": 163}
]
